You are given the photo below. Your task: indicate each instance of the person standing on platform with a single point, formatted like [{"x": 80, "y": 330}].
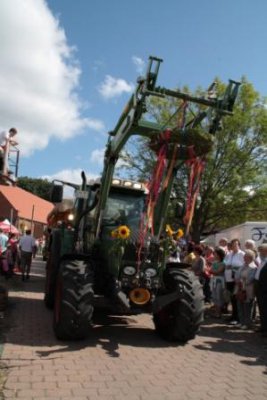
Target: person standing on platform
[{"x": 6, "y": 138}]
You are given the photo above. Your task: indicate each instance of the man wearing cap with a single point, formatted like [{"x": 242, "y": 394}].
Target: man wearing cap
[{"x": 261, "y": 288}]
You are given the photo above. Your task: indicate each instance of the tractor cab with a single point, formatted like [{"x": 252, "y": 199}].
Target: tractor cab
[{"x": 125, "y": 205}]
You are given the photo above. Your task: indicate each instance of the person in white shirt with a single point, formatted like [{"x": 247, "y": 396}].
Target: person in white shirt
[
  {"x": 233, "y": 261},
  {"x": 5, "y": 137},
  {"x": 27, "y": 247},
  {"x": 244, "y": 289}
]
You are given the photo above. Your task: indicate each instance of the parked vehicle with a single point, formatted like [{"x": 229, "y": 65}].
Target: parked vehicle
[{"x": 256, "y": 231}]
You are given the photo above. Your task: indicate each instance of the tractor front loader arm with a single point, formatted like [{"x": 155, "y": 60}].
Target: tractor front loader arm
[{"x": 132, "y": 122}]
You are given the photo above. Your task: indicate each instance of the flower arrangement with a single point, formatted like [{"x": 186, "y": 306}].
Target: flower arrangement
[
  {"x": 176, "y": 235},
  {"x": 120, "y": 236},
  {"x": 169, "y": 244}
]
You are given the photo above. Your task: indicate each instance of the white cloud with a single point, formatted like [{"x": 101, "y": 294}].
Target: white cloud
[
  {"x": 113, "y": 87},
  {"x": 139, "y": 63},
  {"x": 95, "y": 124},
  {"x": 97, "y": 156},
  {"x": 68, "y": 175},
  {"x": 39, "y": 77},
  {"x": 71, "y": 176}
]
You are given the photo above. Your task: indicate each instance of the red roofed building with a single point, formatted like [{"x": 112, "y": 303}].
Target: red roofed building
[{"x": 24, "y": 209}]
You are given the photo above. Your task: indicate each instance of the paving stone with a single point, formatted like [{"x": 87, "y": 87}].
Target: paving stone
[{"x": 124, "y": 359}]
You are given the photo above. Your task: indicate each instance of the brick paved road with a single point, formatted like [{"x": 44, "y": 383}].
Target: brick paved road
[{"x": 124, "y": 359}]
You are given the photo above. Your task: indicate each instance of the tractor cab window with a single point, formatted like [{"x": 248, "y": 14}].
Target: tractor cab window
[{"x": 124, "y": 209}]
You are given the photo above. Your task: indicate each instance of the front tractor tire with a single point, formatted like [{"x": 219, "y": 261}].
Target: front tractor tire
[
  {"x": 180, "y": 320},
  {"x": 52, "y": 267},
  {"x": 73, "y": 307}
]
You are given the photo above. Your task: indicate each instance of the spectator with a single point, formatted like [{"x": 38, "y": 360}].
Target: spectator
[
  {"x": 261, "y": 288},
  {"x": 27, "y": 247},
  {"x": 35, "y": 249},
  {"x": 10, "y": 261},
  {"x": 3, "y": 242},
  {"x": 209, "y": 258},
  {"x": 233, "y": 261},
  {"x": 13, "y": 241},
  {"x": 217, "y": 281},
  {"x": 244, "y": 289},
  {"x": 251, "y": 245},
  {"x": 262, "y": 299},
  {"x": 199, "y": 262},
  {"x": 199, "y": 267},
  {"x": 189, "y": 256},
  {"x": 223, "y": 243},
  {"x": 3, "y": 250},
  {"x": 262, "y": 254}
]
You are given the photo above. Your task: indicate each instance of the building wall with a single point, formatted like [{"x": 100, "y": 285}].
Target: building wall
[
  {"x": 37, "y": 228},
  {"x": 21, "y": 223},
  {"x": 5, "y": 210}
]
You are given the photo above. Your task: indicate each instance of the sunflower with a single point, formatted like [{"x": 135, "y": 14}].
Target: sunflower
[
  {"x": 179, "y": 234},
  {"x": 114, "y": 234},
  {"x": 169, "y": 230},
  {"x": 123, "y": 232}
]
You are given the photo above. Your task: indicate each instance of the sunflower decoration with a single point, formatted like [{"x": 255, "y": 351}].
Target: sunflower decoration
[
  {"x": 174, "y": 234},
  {"x": 120, "y": 236},
  {"x": 169, "y": 231},
  {"x": 169, "y": 243},
  {"x": 114, "y": 234},
  {"x": 122, "y": 232},
  {"x": 179, "y": 234}
]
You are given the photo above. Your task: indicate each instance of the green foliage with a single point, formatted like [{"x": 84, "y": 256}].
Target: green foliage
[
  {"x": 37, "y": 186},
  {"x": 234, "y": 186}
]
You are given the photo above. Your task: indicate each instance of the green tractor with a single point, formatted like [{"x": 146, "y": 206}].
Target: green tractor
[{"x": 111, "y": 244}]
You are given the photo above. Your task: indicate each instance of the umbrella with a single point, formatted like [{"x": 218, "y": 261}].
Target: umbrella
[{"x": 7, "y": 227}]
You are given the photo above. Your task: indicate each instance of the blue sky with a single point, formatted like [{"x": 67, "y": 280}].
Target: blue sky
[{"x": 101, "y": 47}]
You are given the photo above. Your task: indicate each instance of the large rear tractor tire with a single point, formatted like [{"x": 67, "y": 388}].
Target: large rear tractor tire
[
  {"x": 52, "y": 267},
  {"x": 180, "y": 320},
  {"x": 73, "y": 307}
]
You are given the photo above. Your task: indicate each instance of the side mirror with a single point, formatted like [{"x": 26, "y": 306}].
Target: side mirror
[{"x": 56, "y": 195}]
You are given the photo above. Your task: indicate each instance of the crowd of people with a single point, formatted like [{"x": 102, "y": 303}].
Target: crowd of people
[
  {"x": 229, "y": 275},
  {"x": 232, "y": 276},
  {"x": 17, "y": 251}
]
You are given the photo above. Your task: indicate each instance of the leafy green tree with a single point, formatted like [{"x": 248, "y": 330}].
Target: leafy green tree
[
  {"x": 37, "y": 186},
  {"x": 233, "y": 186}
]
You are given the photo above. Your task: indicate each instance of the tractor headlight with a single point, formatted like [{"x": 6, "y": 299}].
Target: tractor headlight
[
  {"x": 129, "y": 270},
  {"x": 151, "y": 272},
  {"x": 71, "y": 217}
]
